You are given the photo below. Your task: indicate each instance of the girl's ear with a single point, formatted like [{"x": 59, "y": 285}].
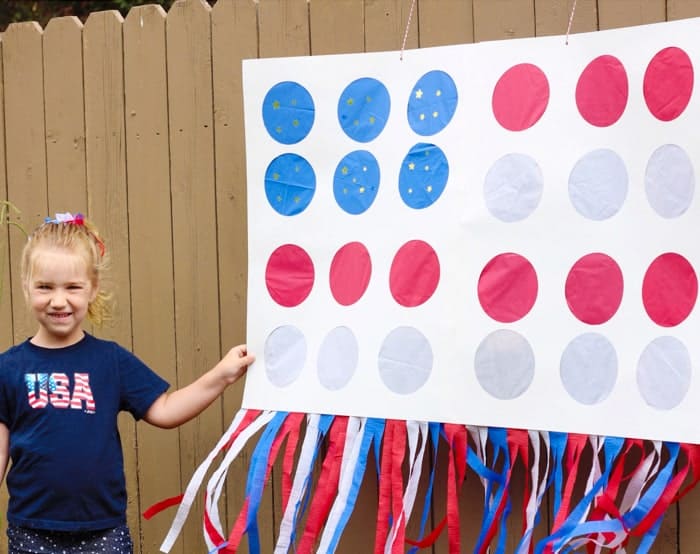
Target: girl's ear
[{"x": 95, "y": 291}]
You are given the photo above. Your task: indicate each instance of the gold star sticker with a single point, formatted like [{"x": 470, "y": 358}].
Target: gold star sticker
[
  {"x": 435, "y": 114},
  {"x": 411, "y": 166},
  {"x": 410, "y": 191},
  {"x": 429, "y": 188},
  {"x": 356, "y": 122},
  {"x": 344, "y": 170},
  {"x": 419, "y": 94},
  {"x": 371, "y": 120},
  {"x": 362, "y": 189},
  {"x": 438, "y": 92},
  {"x": 293, "y": 102},
  {"x": 422, "y": 116},
  {"x": 295, "y": 123},
  {"x": 276, "y": 105},
  {"x": 276, "y": 176},
  {"x": 278, "y": 129},
  {"x": 427, "y": 168},
  {"x": 297, "y": 169},
  {"x": 279, "y": 198},
  {"x": 296, "y": 199},
  {"x": 368, "y": 99},
  {"x": 345, "y": 191},
  {"x": 364, "y": 168},
  {"x": 350, "y": 101}
]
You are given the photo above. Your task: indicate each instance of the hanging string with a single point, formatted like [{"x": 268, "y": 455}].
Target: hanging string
[
  {"x": 408, "y": 25},
  {"x": 571, "y": 20}
]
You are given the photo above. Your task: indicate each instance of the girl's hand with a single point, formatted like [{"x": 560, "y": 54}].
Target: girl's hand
[{"x": 235, "y": 363}]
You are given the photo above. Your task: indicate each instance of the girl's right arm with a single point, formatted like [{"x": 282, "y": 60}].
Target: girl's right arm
[{"x": 4, "y": 450}]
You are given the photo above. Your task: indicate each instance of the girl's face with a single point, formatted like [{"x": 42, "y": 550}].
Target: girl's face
[{"x": 58, "y": 291}]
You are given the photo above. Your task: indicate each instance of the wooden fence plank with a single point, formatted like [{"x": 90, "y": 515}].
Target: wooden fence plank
[
  {"x": 105, "y": 145},
  {"x": 188, "y": 32},
  {"x": 443, "y": 22},
  {"x": 682, "y": 9},
  {"x": 150, "y": 243},
  {"x": 5, "y": 292},
  {"x": 65, "y": 120},
  {"x": 501, "y": 19},
  {"x": 25, "y": 148},
  {"x": 552, "y": 16},
  {"x": 234, "y": 38},
  {"x": 337, "y": 26},
  {"x": 385, "y": 25},
  {"x": 283, "y": 27},
  {"x": 6, "y": 299},
  {"x": 627, "y": 13}
]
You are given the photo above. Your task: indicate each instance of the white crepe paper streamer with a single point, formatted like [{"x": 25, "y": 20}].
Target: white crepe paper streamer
[
  {"x": 195, "y": 482},
  {"x": 480, "y": 436},
  {"x": 637, "y": 484},
  {"x": 300, "y": 484},
  {"x": 216, "y": 481},
  {"x": 539, "y": 487},
  {"x": 351, "y": 453},
  {"x": 417, "y": 431}
]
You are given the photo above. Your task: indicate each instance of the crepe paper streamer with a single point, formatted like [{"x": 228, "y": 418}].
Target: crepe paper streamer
[{"x": 628, "y": 486}]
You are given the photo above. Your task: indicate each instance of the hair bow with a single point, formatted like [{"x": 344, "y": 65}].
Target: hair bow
[{"x": 67, "y": 217}]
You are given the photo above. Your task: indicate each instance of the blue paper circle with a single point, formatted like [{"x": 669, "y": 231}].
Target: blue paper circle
[
  {"x": 423, "y": 175},
  {"x": 356, "y": 181},
  {"x": 290, "y": 183},
  {"x": 432, "y": 103},
  {"x": 288, "y": 112},
  {"x": 363, "y": 109}
]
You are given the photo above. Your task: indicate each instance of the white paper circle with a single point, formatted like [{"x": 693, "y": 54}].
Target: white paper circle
[
  {"x": 664, "y": 372},
  {"x": 588, "y": 368},
  {"x": 285, "y": 355},
  {"x": 598, "y": 184},
  {"x": 513, "y": 187},
  {"x": 505, "y": 364},
  {"x": 669, "y": 181},
  {"x": 337, "y": 358},
  {"x": 405, "y": 360}
]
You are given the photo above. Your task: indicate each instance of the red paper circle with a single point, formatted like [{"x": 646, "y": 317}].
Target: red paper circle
[
  {"x": 668, "y": 83},
  {"x": 415, "y": 273},
  {"x": 350, "y": 271},
  {"x": 602, "y": 91},
  {"x": 507, "y": 287},
  {"x": 669, "y": 289},
  {"x": 289, "y": 275},
  {"x": 520, "y": 97},
  {"x": 594, "y": 288}
]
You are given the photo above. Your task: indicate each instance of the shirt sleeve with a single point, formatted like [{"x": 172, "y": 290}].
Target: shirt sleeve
[
  {"x": 4, "y": 401},
  {"x": 140, "y": 385}
]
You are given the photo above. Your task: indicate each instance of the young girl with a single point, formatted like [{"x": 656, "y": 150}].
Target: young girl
[{"x": 60, "y": 393}]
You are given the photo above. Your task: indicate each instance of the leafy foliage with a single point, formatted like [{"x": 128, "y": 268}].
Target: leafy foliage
[{"x": 42, "y": 11}]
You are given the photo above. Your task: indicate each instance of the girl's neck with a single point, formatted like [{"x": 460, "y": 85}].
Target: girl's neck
[{"x": 46, "y": 340}]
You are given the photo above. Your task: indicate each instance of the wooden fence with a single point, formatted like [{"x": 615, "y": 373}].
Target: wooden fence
[{"x": 137, "y": 122}]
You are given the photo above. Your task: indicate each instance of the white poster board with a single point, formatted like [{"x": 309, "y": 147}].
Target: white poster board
[{"x": 499, "y": 234}]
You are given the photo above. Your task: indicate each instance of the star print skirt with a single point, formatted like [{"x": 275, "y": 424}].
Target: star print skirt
[{"x": 34, "y": 541}]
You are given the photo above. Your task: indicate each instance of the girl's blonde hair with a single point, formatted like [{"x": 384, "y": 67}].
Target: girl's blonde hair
[{"x": 81, "y": 236}]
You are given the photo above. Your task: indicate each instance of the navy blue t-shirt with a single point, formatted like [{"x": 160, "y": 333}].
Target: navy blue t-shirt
[{"x": 61, "y": 407}]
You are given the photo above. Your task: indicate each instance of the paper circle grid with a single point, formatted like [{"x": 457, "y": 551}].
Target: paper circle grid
[{"x": 515, "y": 231}]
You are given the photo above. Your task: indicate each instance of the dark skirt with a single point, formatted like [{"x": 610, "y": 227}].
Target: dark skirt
[{"x": 22, "y": 540}]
